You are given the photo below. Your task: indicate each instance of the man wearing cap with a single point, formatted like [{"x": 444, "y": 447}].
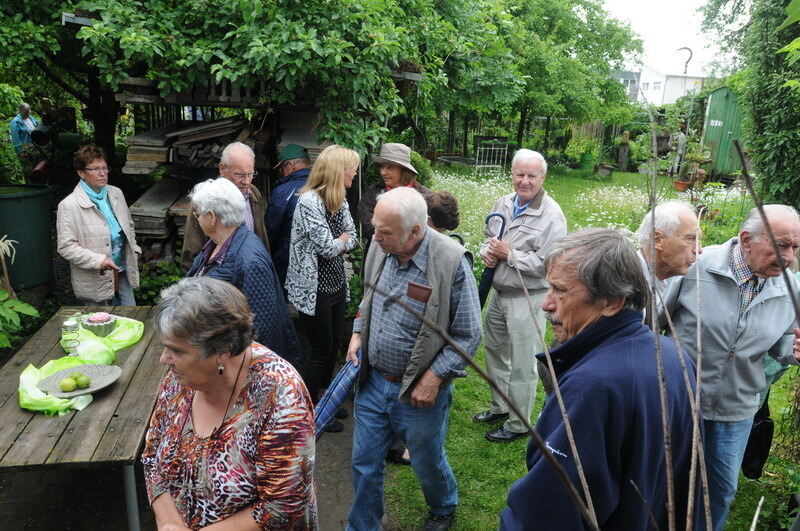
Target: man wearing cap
[
  {"x": 295, "y": 166},
  {"x": 237, "y": 164},
  {"x": 396, "y": 171}
]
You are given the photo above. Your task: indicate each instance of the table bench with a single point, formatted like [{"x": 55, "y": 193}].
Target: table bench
[{"x": 108, "y": 432}]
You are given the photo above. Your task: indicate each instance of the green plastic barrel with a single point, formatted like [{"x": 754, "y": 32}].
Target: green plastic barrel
[
  {"x": 586, "y": 162},
  {"x": 25, "y": 217}
]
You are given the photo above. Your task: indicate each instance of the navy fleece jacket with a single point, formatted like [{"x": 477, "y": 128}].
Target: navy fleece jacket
[{"x": 608, "y": 376}]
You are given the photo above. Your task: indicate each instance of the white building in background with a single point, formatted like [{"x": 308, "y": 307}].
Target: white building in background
[{"x": 662, "y": 89}]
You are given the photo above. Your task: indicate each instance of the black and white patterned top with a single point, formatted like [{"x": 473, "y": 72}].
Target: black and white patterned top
[
  {"x": 312, "y": 241},
  {"x": 331, "y": 270}
]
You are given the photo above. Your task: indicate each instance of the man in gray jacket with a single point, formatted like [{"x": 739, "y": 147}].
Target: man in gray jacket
[
  {"x": 533, "y": 221},
  {"x": 745, "y": 312}
]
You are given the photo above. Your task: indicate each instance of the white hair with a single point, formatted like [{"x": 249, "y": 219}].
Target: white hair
[
  {"x": 221, "y": 197},
  {"x": 525, "y": 155},
  {"x": 668, "y": 218},
  {"x": 225, "y": 158},
  {"x": 754, "y": 225},
  {"x": 409, "y": 205}
]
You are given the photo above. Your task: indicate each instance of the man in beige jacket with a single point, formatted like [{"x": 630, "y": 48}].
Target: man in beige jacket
[
  {"x": 533, "y": 221},
  {"x": 236, "y": 164}
]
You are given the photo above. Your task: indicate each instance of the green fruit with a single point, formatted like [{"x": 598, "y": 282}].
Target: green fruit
[
  {"x": 83, "y": 382},
  {"x": 67, "y": 385},
  {"x": 75, "y": 375}
]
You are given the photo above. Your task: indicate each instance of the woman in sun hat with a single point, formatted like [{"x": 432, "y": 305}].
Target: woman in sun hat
[{"x": 396, "y": 171}]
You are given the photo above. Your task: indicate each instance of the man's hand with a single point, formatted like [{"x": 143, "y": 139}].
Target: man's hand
[
  {"x": 424, "y": 393},
  {"x": 499, "y": 249},
  {"x": 489, "y": 259},
  {"x": 352, "y": 348},
  {"x": 796, "y": 346},
  {"x": 108, "y": 263}
]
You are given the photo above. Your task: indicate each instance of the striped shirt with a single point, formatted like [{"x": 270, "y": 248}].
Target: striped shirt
[{"x": 393, "y": 329}]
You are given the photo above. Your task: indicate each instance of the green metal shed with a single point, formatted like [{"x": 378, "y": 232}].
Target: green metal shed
[{"x": 723, "y": 124}]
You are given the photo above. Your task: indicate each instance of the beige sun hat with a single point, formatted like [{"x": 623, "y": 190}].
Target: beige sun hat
[{"x": 393, "y": 153}]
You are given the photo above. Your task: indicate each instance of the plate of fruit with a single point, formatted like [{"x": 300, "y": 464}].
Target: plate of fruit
[{"x": 80, "y": 380}]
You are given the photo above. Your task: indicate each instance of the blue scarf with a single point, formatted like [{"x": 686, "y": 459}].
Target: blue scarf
[{"x": 100, "y": 200}]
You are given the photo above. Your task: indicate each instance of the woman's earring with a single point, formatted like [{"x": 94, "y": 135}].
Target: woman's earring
[{"x": 221, "y": 369}]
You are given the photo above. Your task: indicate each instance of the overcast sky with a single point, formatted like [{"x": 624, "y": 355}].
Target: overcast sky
[{"x": 665, "y": 26}]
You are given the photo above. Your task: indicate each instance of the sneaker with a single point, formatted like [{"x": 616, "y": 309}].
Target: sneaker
[
  {"x": 334, "y": 426},
  {"x": 439, "y": 522}
]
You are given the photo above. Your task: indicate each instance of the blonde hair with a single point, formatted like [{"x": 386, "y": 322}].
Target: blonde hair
[{"x": 327, "y": 175}]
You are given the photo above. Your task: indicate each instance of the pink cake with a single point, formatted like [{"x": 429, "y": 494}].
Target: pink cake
[{"x": 100, "y": 323}]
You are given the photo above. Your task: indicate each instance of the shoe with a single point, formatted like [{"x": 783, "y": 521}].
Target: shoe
[
  {"x": 438, "y": 522},
  {"x": 503, "y": 435},
  {"x": 489, "y": 418},
  {"x": 393, "y": 456},
  {"x": 341, "y": 413},
  {"x": 334, "y": 426}
]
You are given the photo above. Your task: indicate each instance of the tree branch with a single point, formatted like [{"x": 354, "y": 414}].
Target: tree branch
[{"x": 60, "y": 82}]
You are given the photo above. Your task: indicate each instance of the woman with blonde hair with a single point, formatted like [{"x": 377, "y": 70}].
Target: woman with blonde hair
[{"x": 322, "y": 231}]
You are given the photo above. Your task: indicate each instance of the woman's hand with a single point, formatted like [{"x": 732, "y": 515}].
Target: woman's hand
[
  {"x": 108, "y": 263},
  {"x": 344, "y": 237}
]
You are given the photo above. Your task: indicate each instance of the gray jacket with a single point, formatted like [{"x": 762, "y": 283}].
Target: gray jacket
[
  {"x": 732, "y": 369},
  {"x": 529, "y": 235}
]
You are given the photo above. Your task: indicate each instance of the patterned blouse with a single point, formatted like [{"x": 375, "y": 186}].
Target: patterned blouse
[{"x": 262, "y": 456}]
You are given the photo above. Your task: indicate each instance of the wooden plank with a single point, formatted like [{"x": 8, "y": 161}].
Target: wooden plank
[
  {"x": 124, "y": 435},
  {"x": 181, "y": 207},
  {"x": 142, "y": 163},
  {"x": 244, "y": 133},
  {"x": 132, "y": 170},
  {"x": 216, "y": 133},
  {"x": 155, "y": 137},
  {"x": 154, "y": 157},
  {"x": 155, "y": 202},
  {"x": 148, "y": 150},
  {"x": 200, "y": 127},
  {"x": 79, "y": 441},
  {"x": 35, "y": 443}
]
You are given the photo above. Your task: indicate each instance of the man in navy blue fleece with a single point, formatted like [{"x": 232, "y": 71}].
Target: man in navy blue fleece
[{"x": 607, "y": 371}]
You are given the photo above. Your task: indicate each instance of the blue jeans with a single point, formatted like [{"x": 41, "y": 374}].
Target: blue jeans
[
  {"x": 378, "y": 416},
  {"x": 123, "y": 298},
  {"x": 724, "y": 444}
]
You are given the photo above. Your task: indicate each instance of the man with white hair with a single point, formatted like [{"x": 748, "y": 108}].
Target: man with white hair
[
  {"x": 406, "y": 366},
  {"x": 21, "y": 127},
  {"x": 236, "y": 164},
  {"x": 746, "y": 313},
  {"x": 533, "y": 221},
  {"x": 672, "y": 232}
]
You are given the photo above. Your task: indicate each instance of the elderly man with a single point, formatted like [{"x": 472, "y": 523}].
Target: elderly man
[
  {"x": 236, "y": 164},
  {"x": 746, "y": 313},
  {"x": 294, "y": 165},
  {"x": 607, "y": 370},
  {"x": 21, "y": 127},
  {"x": 674, "y": 238},
  {"x": 533, "y": 221},
  {"x": 407, "y": 367}
]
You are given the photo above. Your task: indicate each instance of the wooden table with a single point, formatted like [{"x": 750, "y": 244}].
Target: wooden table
[{"x": 108, "y": 432}]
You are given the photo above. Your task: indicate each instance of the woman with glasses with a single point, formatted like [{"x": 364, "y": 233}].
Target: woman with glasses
[
  {"x": 96, "y": 235},
  {"x": 231, "y": 438},
  {"x": 236, "y": 255},
  {"x": 322, "y": 231}
]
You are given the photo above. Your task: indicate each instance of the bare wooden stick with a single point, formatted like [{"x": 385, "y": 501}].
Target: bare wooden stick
[
  {"x": 557, "y": 390},
  {"x": 755, "y": 516},
  {"x": 548, "y": 457},
  {"x": 768, "y": 228},
  {"x": 646, "y": 504},
  {"x": 662, "y": 386}
]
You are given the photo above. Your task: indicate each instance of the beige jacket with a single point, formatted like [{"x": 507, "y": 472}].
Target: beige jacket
[
  {"x": 84, "y": 241},
  {"x": 529, "y": 235}
]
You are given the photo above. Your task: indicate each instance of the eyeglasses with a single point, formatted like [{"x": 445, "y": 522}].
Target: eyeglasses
[
  {"x": 251, "y": 174},
  {"x": 98, "y": 169}
]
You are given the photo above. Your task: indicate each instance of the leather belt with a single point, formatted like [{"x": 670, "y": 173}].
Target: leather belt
[{"x": 389, "y": 377}]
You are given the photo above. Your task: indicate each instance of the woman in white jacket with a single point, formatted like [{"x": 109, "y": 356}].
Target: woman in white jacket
[{"x": 96, "y": 236}]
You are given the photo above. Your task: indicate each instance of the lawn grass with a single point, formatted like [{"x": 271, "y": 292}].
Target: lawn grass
[{"x": 485, "y": 471}]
